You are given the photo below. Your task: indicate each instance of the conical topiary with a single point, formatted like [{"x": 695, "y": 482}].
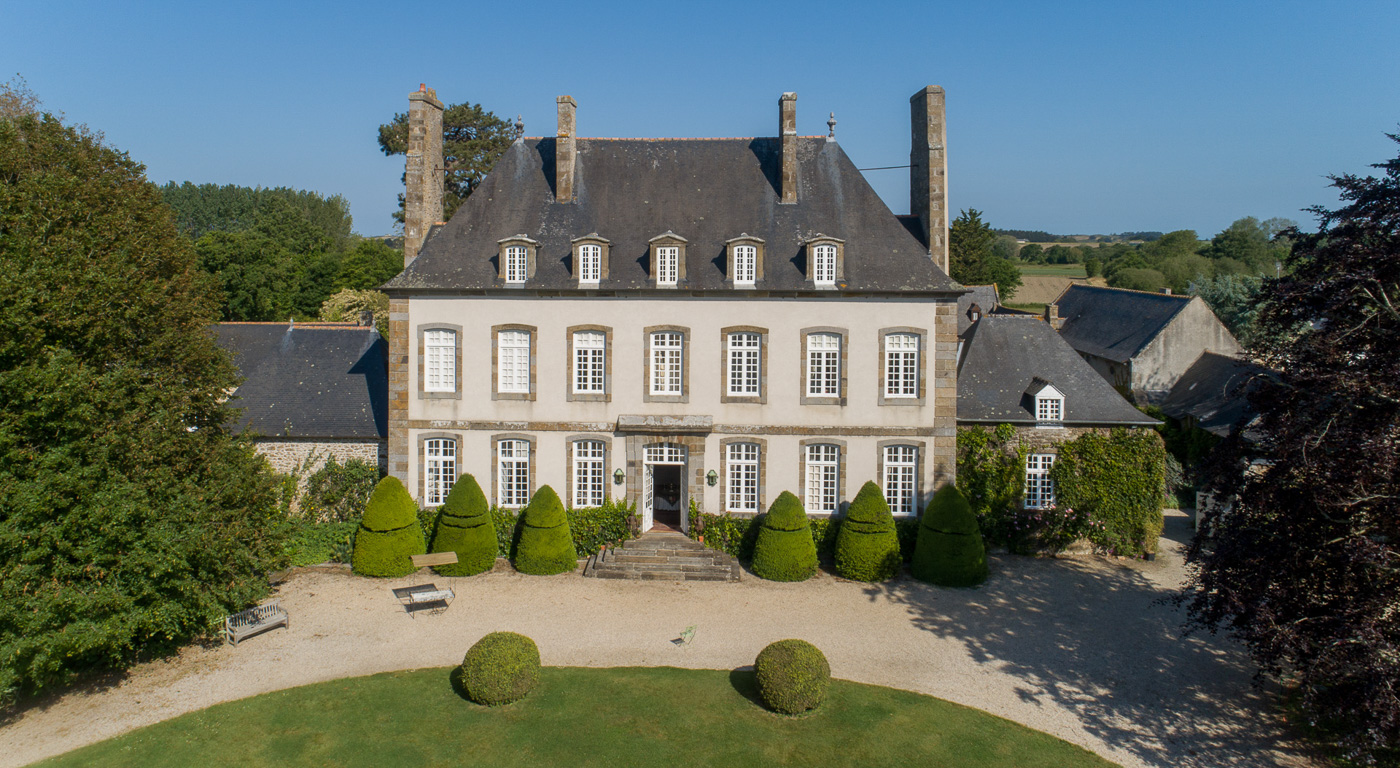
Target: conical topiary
[
  {"x": 389, "y": 532},
  {"x": 785, "y": 550},
  {"x": 465, "y": 527},
  {"x": 546, "y": 545},
  {"x": 867, "y": 548},
  {"x": 950, "y": 552}
]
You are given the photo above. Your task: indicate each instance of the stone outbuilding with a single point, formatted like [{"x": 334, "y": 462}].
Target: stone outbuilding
[{"x": 1214, "y": 394}]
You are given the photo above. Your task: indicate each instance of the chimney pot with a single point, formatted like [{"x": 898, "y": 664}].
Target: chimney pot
[
  {"x": 565, "y": 150},
  {"x": 787, "y": 130}
]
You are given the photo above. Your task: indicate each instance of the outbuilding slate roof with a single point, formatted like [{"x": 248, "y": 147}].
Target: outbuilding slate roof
[
  {"x": 707, "y": 191},
  {"x": 1004, "y": 356},
  {"x": 1114, "y": 323},
  {"x": 986, "y": 299},
  {"x": 1214, "y": 391},
  {"x": 322, "y": 380}
]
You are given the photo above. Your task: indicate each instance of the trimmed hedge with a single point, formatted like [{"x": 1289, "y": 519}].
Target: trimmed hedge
[
  {"x": 389, "y": 532},
  {"x": 501, "y": 668},
  {"x": 546, "y": 547},
  {"x": 738, "y": 535},
  {"x": 464, "y": 526},
  {"x": 793, "y": 676},
  {"x": 785, "y": 550},
  {"x": 950, "y": 551},
  {"x": 867, "y": 548},
  {"x": 591, "y": 527}
]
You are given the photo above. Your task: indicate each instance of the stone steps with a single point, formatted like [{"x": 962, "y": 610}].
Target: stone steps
[{"x": 663, "y": 557}]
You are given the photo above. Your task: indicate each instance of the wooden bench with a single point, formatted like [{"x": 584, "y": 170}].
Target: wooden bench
[
  {"x": 247, "y": 623},
  {"x": 424, "y": 597},
  {"x": 435, "y": 558}
]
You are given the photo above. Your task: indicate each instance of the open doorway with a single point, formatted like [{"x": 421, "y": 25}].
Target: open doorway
[{"x": 667, "y": 498}]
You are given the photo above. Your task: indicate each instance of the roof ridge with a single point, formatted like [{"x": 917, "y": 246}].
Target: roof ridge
[
  {"x": 332, "y": 325},
  {"x": 669, "y": 138},
  {"x": 1186, "y": 296}
]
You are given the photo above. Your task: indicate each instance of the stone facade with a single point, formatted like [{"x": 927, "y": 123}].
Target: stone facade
[{"x": 289, "y": 454}]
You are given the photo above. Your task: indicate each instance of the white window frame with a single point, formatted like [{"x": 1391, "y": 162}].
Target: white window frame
[
  {"x": 824, "y": 264},
  {"x": 745, "y": 264},
  {"x": 439, "y": 469},
  {"x": 901, "y": 365},
  {"x": 1040, "y": 489},
  {"x": 668, "y": 259},
  {"x": 667, "y": 353},
  {"x": 590, "y": 263},
  {"x": 440, "y": 360},
  {"x": 823, "y": 480},
  {"x": 901, "y": 478},
  {"x": 590, "y": 363},
  {"x": 513, "y": 361},
  {"x": 517, "y": 263},
  {"x": 742, "y": 480},
  {"x": 823, "y": 364},
  {"x": 590, "y": 486},
  {"x": 1049, "y": 411},
  {"x": 512, "y": 473},
  {"x": 745, "y": 375}
]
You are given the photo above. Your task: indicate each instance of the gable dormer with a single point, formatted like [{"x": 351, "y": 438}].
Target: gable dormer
[
  {"x": 744, "y": 257},
  {"x": 1049, "y": 403},
  {"x": 667, "y": 259},
  {"x": 516, "y": 259},
  {"x": 826, "y": 261},
  {"x": 590, "y": 255},
  {"x": 974, "y": 312}
]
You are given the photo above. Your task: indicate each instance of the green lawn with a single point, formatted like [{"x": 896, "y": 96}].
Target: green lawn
[
  {"x": 581, "y": 717},
  {"x": 1057, "y": 270}
]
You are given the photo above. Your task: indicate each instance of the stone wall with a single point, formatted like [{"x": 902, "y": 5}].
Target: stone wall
[{"x": 286, "y": 454}]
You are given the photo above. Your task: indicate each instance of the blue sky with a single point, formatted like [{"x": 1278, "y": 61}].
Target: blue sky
[{"x": 1072, "y": 117}]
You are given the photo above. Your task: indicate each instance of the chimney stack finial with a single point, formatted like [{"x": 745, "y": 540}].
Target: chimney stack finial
[
  {"x": 831, "y": 126},
  {"x": 519, "y": 127}
]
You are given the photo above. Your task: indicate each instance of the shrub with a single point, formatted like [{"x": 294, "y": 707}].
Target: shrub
[
  {"x": 337, "y": 493},
  {"x": 389, "y": 532},
  {"x": 546, "y": 546},
  {"x": 501, "y": 668},
  {"x": 867, "y": 548},
  {"x": 793, "y": 676},
  {"x": 785, "y": 550},
  {"x": 464, "y": 526},
  {"x": 312, "y": 543},
  {"x": 950, "y": 552}
]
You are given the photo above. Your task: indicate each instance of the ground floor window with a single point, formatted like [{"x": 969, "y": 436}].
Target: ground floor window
[
  {"x": 440, "y": 469},
  {"x": 588, "y": 473},
  {"x": 823, "y": 478},
  {"x": 741, "y": 485},
  {"x": 1040, "y": 489},
  {"x": 513, "y": 480},
  {"x": 901, "y": 462}
]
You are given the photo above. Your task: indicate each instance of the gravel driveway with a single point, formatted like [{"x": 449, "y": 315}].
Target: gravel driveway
[{"x": 1079, "y": 648}]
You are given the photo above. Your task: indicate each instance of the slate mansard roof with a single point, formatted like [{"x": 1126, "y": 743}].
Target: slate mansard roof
[
  {"x": 1006, "y": 356},
  {"x": 707, "y": 191},
  {"x": 311, "y": 380},
  {"x": 1113, "y": 323}
]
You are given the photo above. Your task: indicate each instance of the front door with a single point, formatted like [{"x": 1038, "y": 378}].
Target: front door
[
  {"x": 664, "y": 498},
  {"x": 648, "y": 495}
]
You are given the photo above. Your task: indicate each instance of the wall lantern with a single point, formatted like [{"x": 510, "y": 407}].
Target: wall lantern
[
  {"x": 712, "y": 477},
  {"x": 618, "y": 476}
]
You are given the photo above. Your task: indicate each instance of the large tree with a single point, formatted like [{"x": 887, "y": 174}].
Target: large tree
[
  {"x": 473, "y": 139},
  {"x": 130, "y": 519},
  {"x": 1304, "y": 564},
  {"x": 971, "y": 257}
]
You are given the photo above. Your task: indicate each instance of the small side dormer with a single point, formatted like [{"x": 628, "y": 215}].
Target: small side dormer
[
  {"x": 826, "y": 261},
  {"x": 590, "y": 259},
  {"x": 744, "y": 256},
  {"x": 517, "y": 259},
  {"x": 974, "y": 312},
  {"x": 1049, "y": 404},
  {"x": 667, "y": 259}
]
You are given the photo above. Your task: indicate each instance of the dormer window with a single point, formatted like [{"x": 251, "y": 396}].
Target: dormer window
[
  {"x": 668, "y": 259},
  {"x": 745, "y": 260},
  {"x": 1049, "y": 404},
  {"x": 590, "y": 259},
  {"x": 517, "y": 259},
  {"x": 825, "y": 261},
  {"x": 974, "y": 313}
]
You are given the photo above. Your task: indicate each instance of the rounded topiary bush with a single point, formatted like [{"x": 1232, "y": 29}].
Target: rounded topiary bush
[
  {"x": 465, "y": 527},
  {"x": 785, "y": 550},
  {"x": 546, "y": 545},
  {"x": 793, "y": 676},
  {"x": 950, "y": 551},
  {"x": 502, "y": 667},
  {"x": 389, "y": 532},
  {"x": 867, "y": 547}
]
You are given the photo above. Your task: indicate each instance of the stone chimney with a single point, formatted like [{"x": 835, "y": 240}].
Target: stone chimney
[
  {"x": 787, "y": 128},
  {"x": 565, "y": 151},
  {"x": 424, "y": 175},
  {"x": 928, "y": 171},
  {"x": 367, "y": 318},
  {"x": 1052, "y": 316}
]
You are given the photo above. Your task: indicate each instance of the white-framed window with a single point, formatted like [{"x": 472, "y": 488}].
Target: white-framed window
[
  {"x": 440, "y": 365},
  {"x": 667, "y": 264},
  {"x": 901, "y": 464},
  {"x": 823, "y": 478},
  {"x": 902, "y": 365},
  {"x": 1049, "y": 409},
  {"x": 513, "y": 361},
  {"x": 590, "y": 362},
  {"x": 741, "y": 485},
  {"x": 667, "y": 356},
  {"x": 588, "y": 473},
  {"x": 590, "y": 263},
  {"x": 824, "y": 264},
  {"x": 1040, "y": 489},
  {"x": 824, "y": 365},
  {"x": 513, "y": 473},
  {"x": 516, "y": 263},
  {"x": 664, "y": 453},
  {"x": 745, "y": 355},
  {"x": 745, "y": 264},
  {"x": 439, "y": 469}
]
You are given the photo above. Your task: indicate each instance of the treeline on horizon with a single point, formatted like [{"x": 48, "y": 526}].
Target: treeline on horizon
[{"x": 1041, "y": 236}]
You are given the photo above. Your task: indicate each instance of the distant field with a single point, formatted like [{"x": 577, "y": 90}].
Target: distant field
[{"x": 1058, "y": 270}]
